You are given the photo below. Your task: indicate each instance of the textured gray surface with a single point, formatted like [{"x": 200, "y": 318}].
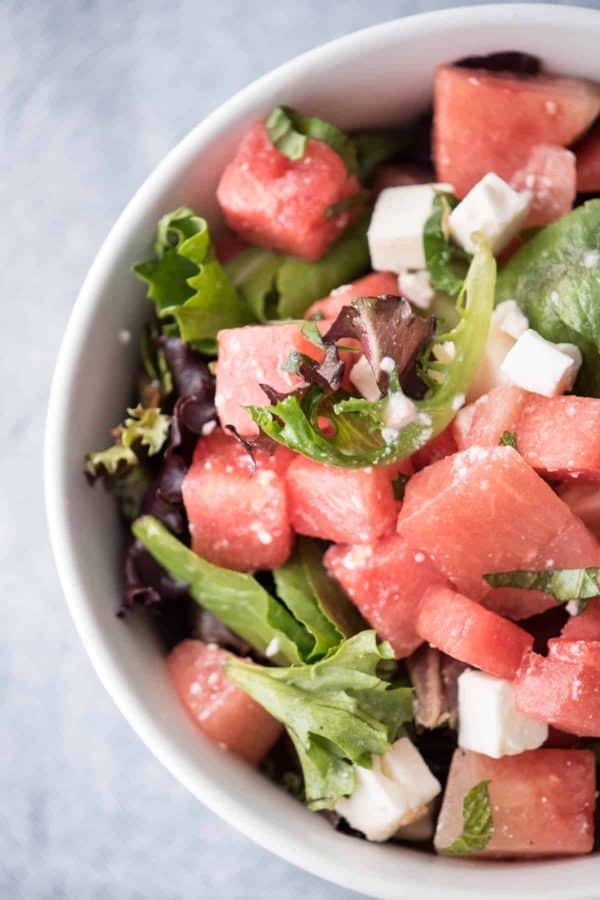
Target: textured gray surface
[{"x": 92, "y": 94}]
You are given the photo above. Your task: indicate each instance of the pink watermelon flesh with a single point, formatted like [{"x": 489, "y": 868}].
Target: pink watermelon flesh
[
  {"x": 465, "y": 630},
  {"x": 399, "y": 175},
  {"x": 283, "y": 204},
  {"x": 249, "y": 357},
  {"x": 238, "y": 520},
  {"x": 386, "y": 580},
  {"x": 490, "y": 121},
  {"x": 372, "y": 285},
  {"x": 563, "y": 688},
  {"x": 342, "y": 505},
  {"x": 587, "y": 152},
  {"x": 585, "y": 626},
  {"x": 441, "y": 446},
  {"x": 543, "y": 801},
  {"x": 584, "y": 501},
  {"x": 550, "y": 176},
  {"x": 482, "y": 424},
  {"x": 560, "y": 436},
  {"x": 485, "y": 510},
  {"x": 517, "y": 603},
  {"x": 223, "y": 712}
]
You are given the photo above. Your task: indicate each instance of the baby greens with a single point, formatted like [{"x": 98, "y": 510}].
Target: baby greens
[
  {"x": 445, "y": 261},
  {"x": 144, "y": 429}
]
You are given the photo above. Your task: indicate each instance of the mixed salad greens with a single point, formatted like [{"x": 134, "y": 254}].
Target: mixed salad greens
[{"x": 354, "y": 418}]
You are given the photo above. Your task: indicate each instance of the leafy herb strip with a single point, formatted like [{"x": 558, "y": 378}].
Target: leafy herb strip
[
  {"x": 338, "y": 712},
  {"x": 188, "y": 284},
  {"x": 290, "y": 131},
  {"x": 478, "y": 826},
  {"x": 145, "y": 429},
  {"x": 446, "y": 263},
  {"x": 562, "y": 584},
  {"x": 346, "y": 204},
  {"x": 508, "y": 439},
  {"x": 357, "y": 440}
]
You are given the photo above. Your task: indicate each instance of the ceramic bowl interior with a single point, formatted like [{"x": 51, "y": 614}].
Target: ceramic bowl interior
[{"x": 371, "y": 78}]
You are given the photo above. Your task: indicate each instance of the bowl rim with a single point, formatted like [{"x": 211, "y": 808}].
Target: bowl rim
[{"x": 216, "y": 797}]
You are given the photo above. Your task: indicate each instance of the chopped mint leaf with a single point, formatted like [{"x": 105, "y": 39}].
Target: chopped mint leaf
[
  {"x": 187, "y": 282},
  {"x": 338, "y": 712},
  {"x": 346, "y": 204},
  {"x": 294, "y": 360},
  {"x": 478, "y": 826},
  {"x": 508, "y": 439},
  {"x": 145, "y": 429},
  {"x": 315, "y": 599},
  {"x": 235, "y": 598},
  {"x": 446, "y": 263},
  {"x": 290, "y": 131},
  {"x": 562, "y": 584},
  {"x": 276, "y": 286},
  {"x": 555, "y": 279},
  {"x": 311, "y": 332},
  {"x": 356, "y": 439}
]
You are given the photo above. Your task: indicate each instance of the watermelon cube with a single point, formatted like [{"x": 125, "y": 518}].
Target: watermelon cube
[
  {"x": 284, "y": 204},
  {"x": 585, "y": 626},
  {"x": 438, "y": 448},
  {"x": 584, "y": 501},
  {"x": 249, "y": 357},
  {"x": 386, "y": 580},
  {"x": 222, "y": 711},
  {"x": 563, "y": 688},
  {"x": 372, "y": 285},
  {"x": 342, "y": 505},
  {"x": 491, "y": 121},
  {"x": 560, "y": 436},
  {"x": 542, "y": 801},
  {"x": 482, "y": 424},
  {"x": 550, "y": 177},
  {"x": 465, "y": 630},
  {"x": 485, "y": 510},
  {"x": 587, "y": 152},
  {"x": 238, "y": 519}
]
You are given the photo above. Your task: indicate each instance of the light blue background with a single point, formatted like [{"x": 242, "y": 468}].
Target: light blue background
[{"x": 92, "y": 94}]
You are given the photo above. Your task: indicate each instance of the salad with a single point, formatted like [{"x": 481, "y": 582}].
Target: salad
[{"x": 360, "y": 481}]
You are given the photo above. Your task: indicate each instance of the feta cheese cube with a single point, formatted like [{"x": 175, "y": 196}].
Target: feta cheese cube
[
  {"x": 509, "y": 318},
  {"x": 488, "y": 721},
  {"x": 393, "y": 793},
  {"x": 538, "y": 365},
  {"x": 416, "y": 287},
  {"x": 491, "y": 208},
  {"x": 396, "y": 231},
  {"x": 422, "y": 829},
  {"x": 363, "y": 379}
]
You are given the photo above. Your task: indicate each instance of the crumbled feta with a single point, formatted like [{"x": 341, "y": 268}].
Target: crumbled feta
[
  {"x": 393, "y": 793},
  {"x": 273, "y": 648},
  {"x": 489, "y": 721},
  {"x": 363, "y": 379},
  {"x": 491, "y": 208},
  {"x": 124, "y": 336},
  {"x": 208, "y": 428},
  {"x": 510, "y": 319},
  {"x": 399, "y": 411},
  {"x": 445, "y": 352},
  {"x": 416, "y": 287},
  {"x": 387, "y": 365},
  {"x": 591, "y": 258},
  {"x": 538, "y": 365},
  {"x": 396, "y": 231}
]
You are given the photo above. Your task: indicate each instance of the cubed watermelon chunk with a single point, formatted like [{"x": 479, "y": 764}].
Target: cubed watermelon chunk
[
  {"x": 342, "y": 505},
  {"x": 587, "y": 152},
  {"x": 372, "y": 285},
  {"x": 399, "y": 175},
  {"x": 465, "y": 630},
  {"x": 585, "y": 626},
  {"x": 386, "y": 580},
  {"x": 485, "y": 510},
  {"x": 563, "y": 688},
  {"x": 249, "y": 357},
  {"x": 283, "y": 204},
  {"x": 583, "y": 500},
  {"x": 222, "y": 711},
  {"x": 238, "y": 520},
  {"x": 543, "y": 801},
  {"x": 550, "y": 176},
  {"x": 441, "y": 446},
  {"x": 490, "y": 121},
  {"x": 560, "y": 436},
  {"x": 482, "y": 424}
]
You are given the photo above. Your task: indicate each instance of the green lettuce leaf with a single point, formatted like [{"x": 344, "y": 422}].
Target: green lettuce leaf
[
  {"x": 187, "y": 282},
  {"x": 290, "y": 131},
  {"x": 478, "y": 826},
  {"x": 235, "y": 598},
  {"x": 315, "y": 599},
  {"x": 278, "y": 286},
  {"x": 446, "y": 262},
  {"x": 555, "y": 278},
  {"x": 145, "y": 429},
  {"x": 562, "y": 584},
  {"x": 338, "y": 712},
  {"x": 357, "y": 440}
]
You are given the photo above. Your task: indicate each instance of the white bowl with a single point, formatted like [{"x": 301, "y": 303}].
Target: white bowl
[{"x": 373, "y": 77}]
